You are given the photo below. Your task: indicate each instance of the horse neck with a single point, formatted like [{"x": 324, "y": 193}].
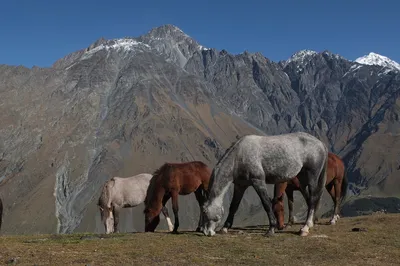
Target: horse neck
[
  {"x": 154, "y": 199},
  {"x": 222, "y": 177}
]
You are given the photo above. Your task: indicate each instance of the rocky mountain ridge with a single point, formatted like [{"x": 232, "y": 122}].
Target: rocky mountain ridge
[{"x": 125, "y": 106}]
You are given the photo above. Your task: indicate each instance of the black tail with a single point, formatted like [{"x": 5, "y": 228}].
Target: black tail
[{"x": 345, "y": 184}]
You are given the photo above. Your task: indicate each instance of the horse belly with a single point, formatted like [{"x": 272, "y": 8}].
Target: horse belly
[
  {"x": 133, "y": 200},
  {"x": 186, "y": 191},
  {"x": 283, "y": 171}
]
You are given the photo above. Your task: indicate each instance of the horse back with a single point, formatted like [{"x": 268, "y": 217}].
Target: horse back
[
  {"x": 130, "y": 191},
  {"x": 186, "y": 177}
]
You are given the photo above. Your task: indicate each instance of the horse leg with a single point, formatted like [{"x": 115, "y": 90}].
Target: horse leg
[
  {"x": 261, "y": 188},
  {"x": 200, "y": 199},
  {"x": 238, "y": 192},
  {"x": 164, "y": 210},
  {"x": 175, "y": 208},
  {"x": 335, "y": 194},
  {"x": 116, "y": 218},
  {"x": 289, "y": 194},
  {"x": 314, "y": 193}
]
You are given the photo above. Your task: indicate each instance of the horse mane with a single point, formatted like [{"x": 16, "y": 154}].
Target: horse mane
[
  {"x": 160, "y": 170},
  {"x": 157, "y": 174},
  {"x": 105, "y": 195},
  {"x": 228, "y": 151}
]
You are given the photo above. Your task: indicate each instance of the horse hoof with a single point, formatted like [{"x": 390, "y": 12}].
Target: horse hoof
[
  {"x": 198, "y": 229},
  {"x": 269, "y": 234},
  {"x": 304, "y": 233},
  {"x": 174, "y": 232},
  {"x": 224, "y": 230}
]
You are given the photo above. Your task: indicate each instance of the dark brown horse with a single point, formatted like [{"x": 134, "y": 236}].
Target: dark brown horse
[
  {"x": 336, "y": 185},
  {"x": 171, "y": 180}
]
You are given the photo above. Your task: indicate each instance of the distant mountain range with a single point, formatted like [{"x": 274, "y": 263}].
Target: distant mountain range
[{"x": 125, "y": 106}]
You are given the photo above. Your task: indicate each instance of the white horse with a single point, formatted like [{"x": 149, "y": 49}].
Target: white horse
[
  {"x": 260, "y": 160},
  {"x": 120, "y": 193}
]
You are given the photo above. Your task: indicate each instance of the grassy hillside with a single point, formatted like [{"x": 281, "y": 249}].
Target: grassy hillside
[{"x": 326, "y": 245}]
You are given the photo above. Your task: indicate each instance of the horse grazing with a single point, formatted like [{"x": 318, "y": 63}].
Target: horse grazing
[
  {"x": 171, "y": 180},
  {"x": 260, "y": 160},
  {"x": 336, "y": 185},
  {"x": 120, "y": 193}
]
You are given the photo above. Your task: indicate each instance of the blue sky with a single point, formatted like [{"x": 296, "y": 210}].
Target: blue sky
[{"x": 38, "y": 32}]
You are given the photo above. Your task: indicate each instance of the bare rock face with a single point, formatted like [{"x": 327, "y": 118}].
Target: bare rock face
[{"x": 122, "y": 107}]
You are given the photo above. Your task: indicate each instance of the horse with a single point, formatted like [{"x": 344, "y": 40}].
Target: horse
[
  {"x": 171, "y": 180},
  {"x": 260, "y": 160},
  {"x": 336, "y": 185},
  {"x": 118, "y": 193}
]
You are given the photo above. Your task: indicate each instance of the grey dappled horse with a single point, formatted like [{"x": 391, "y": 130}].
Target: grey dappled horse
[
  {"x": 260, "y": 160},
  {"x": 120, "y": 193}
]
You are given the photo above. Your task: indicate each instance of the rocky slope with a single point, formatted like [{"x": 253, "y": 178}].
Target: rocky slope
[{"x": 125, "y": 106}]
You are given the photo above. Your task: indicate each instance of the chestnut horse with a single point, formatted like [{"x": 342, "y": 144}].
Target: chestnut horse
[
  {"x": 171, "y": 180},
  {"x": 336, "y": 185}
]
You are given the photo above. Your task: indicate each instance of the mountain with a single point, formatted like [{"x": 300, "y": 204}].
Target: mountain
[
  {"x": 124, "y": 106},
  {"x": 378, "y": 60}
]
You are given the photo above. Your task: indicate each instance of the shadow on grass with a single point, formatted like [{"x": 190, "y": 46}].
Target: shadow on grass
[{"x": 247, "y": 230}]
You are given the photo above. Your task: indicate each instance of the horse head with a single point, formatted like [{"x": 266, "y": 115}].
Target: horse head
[
  {"x": 107, "y": 218},
  {"x": 278, "y": 208},
  {"x": 151, "y": 220},
  {"x": 212, "y": 215}
]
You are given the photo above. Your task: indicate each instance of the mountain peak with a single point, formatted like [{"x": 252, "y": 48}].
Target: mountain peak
[
  {"x": 379, "y": 60},
  {"x": 172, "y": 41},
  {"x": 167, "y": 31},
  {"x": 300, "y": 56}
]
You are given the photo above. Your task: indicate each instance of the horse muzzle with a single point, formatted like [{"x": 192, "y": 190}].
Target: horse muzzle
[{"x": 208, "y": 232}]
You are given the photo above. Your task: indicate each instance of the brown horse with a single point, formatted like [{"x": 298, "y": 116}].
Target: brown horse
[
  {"x": 171, "y": 180},
  {"x": 336, "y": 185}
]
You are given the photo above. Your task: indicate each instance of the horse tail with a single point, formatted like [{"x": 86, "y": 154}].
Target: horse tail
[
  {"x": 105, "y": 197},
  {"x": 321, "y": 178},
  {"x": 324, "y": 172},
  {"x": 345, "y": 184}
]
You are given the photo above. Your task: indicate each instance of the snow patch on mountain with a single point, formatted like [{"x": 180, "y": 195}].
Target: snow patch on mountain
[
  {"x": 379, "y": 60},
  {"x": 117, "y": 44}
]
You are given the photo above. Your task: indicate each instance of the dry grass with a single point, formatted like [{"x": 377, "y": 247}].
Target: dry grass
[{"x": 336, "y": 245}]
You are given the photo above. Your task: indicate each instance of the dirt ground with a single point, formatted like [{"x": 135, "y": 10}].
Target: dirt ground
[{"x": 378, "y": 244}]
